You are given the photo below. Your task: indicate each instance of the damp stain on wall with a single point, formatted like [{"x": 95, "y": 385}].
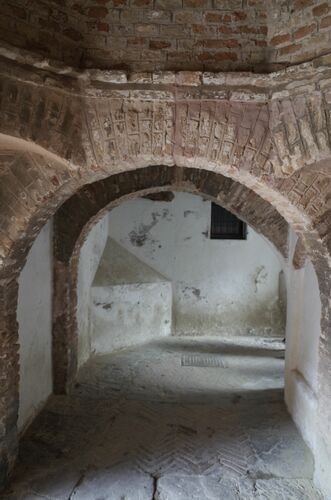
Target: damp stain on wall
[{"x": 140, "y": 235}]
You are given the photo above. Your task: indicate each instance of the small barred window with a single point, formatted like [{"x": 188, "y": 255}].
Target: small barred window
[{"x": 225, "y": 225}]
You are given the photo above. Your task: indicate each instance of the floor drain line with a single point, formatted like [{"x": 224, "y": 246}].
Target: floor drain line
[{"x": 203, "y": 361}]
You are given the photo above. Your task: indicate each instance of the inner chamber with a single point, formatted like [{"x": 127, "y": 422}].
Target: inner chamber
[{"x": 184, "y": 317}]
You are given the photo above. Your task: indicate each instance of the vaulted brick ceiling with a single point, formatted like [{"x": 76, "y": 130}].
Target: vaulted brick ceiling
[{"x": 145, "y": 35}]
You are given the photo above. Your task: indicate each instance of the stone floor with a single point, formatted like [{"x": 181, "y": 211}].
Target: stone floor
[{"x": 177, "y": 419}]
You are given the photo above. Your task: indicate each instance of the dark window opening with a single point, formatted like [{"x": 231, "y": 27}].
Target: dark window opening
[{"x": 226, "y": 226}]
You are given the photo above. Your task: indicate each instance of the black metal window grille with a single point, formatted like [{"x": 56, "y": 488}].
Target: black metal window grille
[{"x": 226, "y": 226}]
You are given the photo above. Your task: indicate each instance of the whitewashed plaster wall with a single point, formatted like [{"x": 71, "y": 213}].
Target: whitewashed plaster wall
[
  {"x": 34, "y": 314},
  {"x": 125, "y": 315},
  {"x": 302, "y": 345},
  {"x": 226, "y": 287},
  {"x": 130, "y": 302},
  {"x": 89, "y": 258}
]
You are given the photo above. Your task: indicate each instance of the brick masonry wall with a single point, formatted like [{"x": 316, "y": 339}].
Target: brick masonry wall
[
  {"x": 146, "y": 35},
  {"x": 299, "y": 30},
  {"x": 270, "y": 133}
]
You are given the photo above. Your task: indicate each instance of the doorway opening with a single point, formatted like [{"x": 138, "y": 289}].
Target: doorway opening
[{"x": 180, "y": 387}]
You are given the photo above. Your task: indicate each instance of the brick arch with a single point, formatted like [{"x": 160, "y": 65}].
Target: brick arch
[
  {"x": 233, "y": 139},
  {"x": 267, "y": 125},
  {"x": 73, "y": 220}
]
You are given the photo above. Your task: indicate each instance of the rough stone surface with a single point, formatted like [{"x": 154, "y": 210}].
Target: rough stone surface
[{"x": 113, "y": 446}]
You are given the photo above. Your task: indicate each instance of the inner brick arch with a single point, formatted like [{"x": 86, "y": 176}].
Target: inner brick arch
[
  {"x": 74, "y": 219},
  {"x": 45, "y": 182}
]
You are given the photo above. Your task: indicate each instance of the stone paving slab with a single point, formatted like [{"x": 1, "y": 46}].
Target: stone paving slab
[
  {"x": 200, "y": 487},
  {"x": 82, "y": 448}
]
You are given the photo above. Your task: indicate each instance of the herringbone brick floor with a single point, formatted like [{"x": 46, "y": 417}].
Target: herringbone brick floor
[{"x": 127, "y": 444}]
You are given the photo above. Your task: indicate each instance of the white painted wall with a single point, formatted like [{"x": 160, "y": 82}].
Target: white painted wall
[
  {"x": 89, "y": 259},
  {"x": 302, "y": 346},
  {"x": 301, "y": 364},
  {"x": 226, "y": 287},
  {"x": 34, "y": 314},
  {"x": 124, "y": 315}
]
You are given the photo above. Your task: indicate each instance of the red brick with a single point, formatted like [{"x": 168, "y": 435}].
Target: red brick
[
  {"x": 159, "y": 44},
  {"x": 239, "y": 15},
  {"x": 257, "y": 30},
  {"x": 147, "y": 29},
  {"x": 256, "y": 3},
  {"x": 136, "y": 41},
  {"x": 218, "y": 56},
  {"x": 304, "y": 31},
  {"x": 18, "y": 11},
  {"x": 187, "y": 16},
  {"x": 49, "y": 24},
  {"x": 168, "y": 4},
  {"x": 195, "y": 3},
  {"x": 262, "y": 30},
  {"x": 326, "y": 22},
  {"x": 302, "y": 4},
  {"x": 103, "y": 27},
  {"x": 178, "y": 56},
  {"x": 280, "y": 39},
  {"x": 321, "y": 9},
  {"x": 260, "y": 43},
  {"x": 73, "y": 34},
  {"x": 142, "y": 3},
  {"x": 78, "y": 8},
  {"x": 204, "y": 30},
  {"x": 290, "y": 49},
  {"x": 219, "y": 44},
  {"x": 97, "y": 11},
  {"x": 216, "y": 17},
  {"x": 225, "y": 29},
  {"x": 120, "y": 3}
]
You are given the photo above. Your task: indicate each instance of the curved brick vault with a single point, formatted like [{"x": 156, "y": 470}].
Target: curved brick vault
[
  {"x": 265, "y": 138},
  {"x": 170, "y": 34}
]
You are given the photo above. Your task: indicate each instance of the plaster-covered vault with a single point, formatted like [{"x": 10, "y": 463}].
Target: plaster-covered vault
[{"x": 77, "y": 141}]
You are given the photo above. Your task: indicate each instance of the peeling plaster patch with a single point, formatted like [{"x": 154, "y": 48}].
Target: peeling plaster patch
[
  {"x": 137, "y": 239},
  {"x": 163, "y": 196},
  {"x": 104, "y": 305},
  {"x": 107, "y": 306},
  {"x": 189, "y": 212},
  {"x": 192, "y": 290},
  {"x": 166, "y": 215},
  {"x": 260, "y": 277},
  {"x": 139, "y": 236},
  {"x": 196, "y": 292}
]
